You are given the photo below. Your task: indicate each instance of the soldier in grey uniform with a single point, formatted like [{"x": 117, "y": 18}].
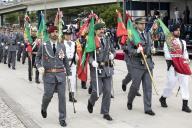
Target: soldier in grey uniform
[
  {"x": 6, "y": 42},
  {"x": 52, "y": 62},
  {"x": 12, "y": 53},
  {"x": 1, "y": 44},
  {"x": 104, "y": 55},
  {"x": 20, "y": 44},
  {"x": 139, "y": 72},
  {"x": 127, "y": 78}
]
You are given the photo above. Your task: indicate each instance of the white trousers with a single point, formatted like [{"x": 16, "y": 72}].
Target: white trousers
[
  {"x": 172, "y": 79},
  {"x": 73, "y": 78}
]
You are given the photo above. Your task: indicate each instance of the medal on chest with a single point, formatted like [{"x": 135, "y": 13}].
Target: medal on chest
[{"x": 61, "y": 54}]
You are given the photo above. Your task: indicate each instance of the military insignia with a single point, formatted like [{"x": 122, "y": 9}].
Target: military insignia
[{"x": 61, "y": 54}]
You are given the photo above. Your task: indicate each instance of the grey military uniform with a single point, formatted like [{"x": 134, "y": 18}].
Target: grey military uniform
[
  {"x": 127, "y": 78},
  {"x": 1, "y": 46},
  {"x": 20, "y": 44},
  {"x": 53, "y": 80},
  {"x": 139, "y": 72},
  {"x": 105, "y": 72},
  {"x": 5, "y": 48},
  {"x": 12, "y": 52}
]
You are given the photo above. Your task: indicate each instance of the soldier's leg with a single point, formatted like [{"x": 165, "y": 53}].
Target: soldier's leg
[
  {"x": 24, "y": 56},
  {"x": 5, "y": 56},
  {"x": 62, "y": 100},
  {"x": 9, "y": 58},
  {"x": 37, "y": 75},
  {"x": 106, "y": 101},
  {"x": 73, "y": 84},
  {"x": 171, "y": 82},
  {"x": 136, "y": 75},
  {"x": 29, "y": 69},
  {"x": 13, "y": 59},
  {"x": 147, "y": 91},
  {"x": 48, "y": 94},
  {"x": 93, "y": 98},
  {"x": 1, "y": 54},
  {"x": 19, "y": 54}
]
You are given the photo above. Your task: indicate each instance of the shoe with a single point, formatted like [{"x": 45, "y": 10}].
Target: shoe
[
  {"x": 129, "y": 106},
  {"x": 150, "y": 112},
  {"x": 112, "y": 96},
  {"x": 124, "y": 87},
  {"x": 71, "y": 97},
  {"x": 90, "y": 107},
  {"x": 9, "y": 65},
  {"x": 138, "y": 94},
  {"x": 107, "y": 117},
  {"x": 63, "y": 123},
  {"x": 37, "y": 81},
  {"x": 83, "y": 85},
  {"x": 44, "y": 114},
  {"x": 5, "y": 62},
  {"x": 90, "y": 90},
  {"x": 163, "y": 102},
  {"x": 30, "y": 78},
  {"x": 185, "y": 107},
  {"x": 13, "y": 68}
]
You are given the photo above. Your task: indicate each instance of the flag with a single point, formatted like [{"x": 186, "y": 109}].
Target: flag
[
  {"x": 42, "y": 28},
  {"x": 27, "y": 26},
  {"x": 59, "y": 23},
  {"x": 81, "y": 70},
  {"x": 121, "y": 29},
  {"x": 90, "y": 45},
  {"x": 133, "y": 35}
]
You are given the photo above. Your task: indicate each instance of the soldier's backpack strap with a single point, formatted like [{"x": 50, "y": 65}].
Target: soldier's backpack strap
[{"x": 182, "y": 45}]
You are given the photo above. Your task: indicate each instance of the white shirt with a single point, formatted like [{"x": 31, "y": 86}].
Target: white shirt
[
  {"x": 53, "y": 43},
  {"x": 168, "y": 55},
  {"x": 69, "y": 49}
]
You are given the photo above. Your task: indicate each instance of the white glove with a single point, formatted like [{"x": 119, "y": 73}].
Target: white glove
[
  {"x": 6, "y": 47},
  {"x": 95, "y": 64},
  {"x": 18, "y": 42},
  {"x": 111, "y": 56},
  {"x": 41, "y": 70},
  {"x": 153, "y": 50},
  {"x": 139, "y": 49},
  {"x": 2, "y": 44}
]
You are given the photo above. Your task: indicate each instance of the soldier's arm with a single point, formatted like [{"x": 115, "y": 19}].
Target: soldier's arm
[
  {"x": 66, "y": 62},
  {"x": 38, "y": 58}
]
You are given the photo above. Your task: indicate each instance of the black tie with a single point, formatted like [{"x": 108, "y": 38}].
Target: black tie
[
  {"x": 54, "y": 49},
  {"x": 142, "y": 34},
  {"x": 102, "y": 42}
]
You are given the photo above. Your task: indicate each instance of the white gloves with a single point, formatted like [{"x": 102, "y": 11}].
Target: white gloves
[
  {"x": 2, "y": 44},
  {"x": 95, "y": 64},
  {"x": 153, "y": 50},
  {"x": 139, "y": 49},
  {"x": 41, "y": 70},
  {"x": 111, "y": 56},
  {"x": 18, "y": 42}
]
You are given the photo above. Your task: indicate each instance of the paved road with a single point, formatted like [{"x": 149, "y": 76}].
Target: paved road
[{"x": 28, "y": 96}]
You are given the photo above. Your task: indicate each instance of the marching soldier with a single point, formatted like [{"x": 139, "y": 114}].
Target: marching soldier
[
  {"x": 127, "y": 78},
  {"x": 12, "y": 52},
  {"x": 51, "y": 61},
  {"x": 5, "y": 48},
  {"x": 139, "y": 72},
  {"x": 72, "y": 57},
  {"x": 20, "y": 44},
  {"x": 104, "y": 55},
  {"x": 32, "y": 55},
  {"x": 173, "y": 76},
  {"x": 1, "y": 44}
]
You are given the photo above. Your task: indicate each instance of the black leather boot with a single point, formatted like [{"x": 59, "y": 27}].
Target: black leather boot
[
  {"x": 185, "y": 107},
  {"x": 71, "y": 97},
  {"x": 163, "y": 102}
]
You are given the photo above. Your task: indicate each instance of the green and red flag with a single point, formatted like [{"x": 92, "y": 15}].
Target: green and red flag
[{"x": 133, "y": 35}]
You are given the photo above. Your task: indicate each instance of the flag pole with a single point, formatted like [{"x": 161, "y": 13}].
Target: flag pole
[
  {"x": 153, "y": 83},
  {"x": 96, "y": 71}
]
